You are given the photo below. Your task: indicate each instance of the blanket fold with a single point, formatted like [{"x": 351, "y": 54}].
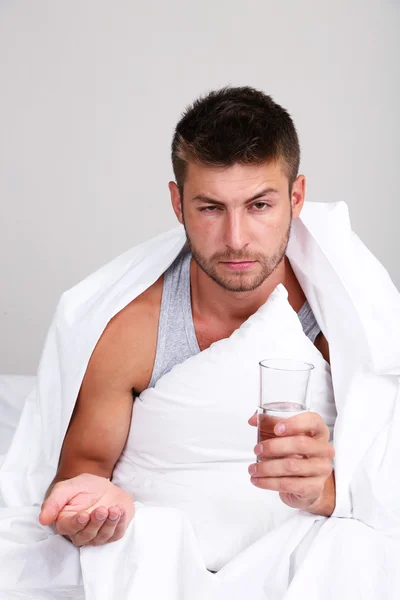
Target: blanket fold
[
  {"x": 190, "y": 444},
  {"x": 174, "y": 475}
]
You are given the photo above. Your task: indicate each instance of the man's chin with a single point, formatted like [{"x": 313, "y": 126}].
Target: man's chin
[{"x": 239, "y": 284}]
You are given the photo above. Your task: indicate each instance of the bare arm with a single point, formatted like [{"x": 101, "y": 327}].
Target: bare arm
[
  {"x": 100, "y": 423},
  {"x": 122, "y": 360},
  {"x": 81, "y": 502}
]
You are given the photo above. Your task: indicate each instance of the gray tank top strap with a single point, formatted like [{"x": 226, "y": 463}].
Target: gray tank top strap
[
  {"x": 309, "y": 322},
  {"x": 176, "y": 334}
]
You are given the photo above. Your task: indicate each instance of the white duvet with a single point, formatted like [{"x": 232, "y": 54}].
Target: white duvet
[
  {"x": 188, "y": 517},
  {"x": 190, "y": 444},
  {"x": 13, "y": 391}
]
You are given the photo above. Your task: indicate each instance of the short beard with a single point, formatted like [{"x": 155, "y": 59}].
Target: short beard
[{"x": 239, "y": 282}]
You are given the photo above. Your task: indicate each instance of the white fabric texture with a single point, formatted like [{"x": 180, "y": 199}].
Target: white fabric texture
[
  {"x": 165, "y": 547},
  {"x": 13, "y": 391},
  {"x": 190, "y": 444}
]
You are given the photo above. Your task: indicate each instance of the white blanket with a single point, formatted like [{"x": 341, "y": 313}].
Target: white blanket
[
  {"x": 162, "y": 553},
  {"x": 190, "y": 444},
  {"x": 13, "y": 392}
]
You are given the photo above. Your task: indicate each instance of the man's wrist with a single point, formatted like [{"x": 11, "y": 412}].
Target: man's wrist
[{"x": 325, "y": 505}]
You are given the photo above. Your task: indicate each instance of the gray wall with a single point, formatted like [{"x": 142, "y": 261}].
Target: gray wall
[{"x": 91, "y": 91}]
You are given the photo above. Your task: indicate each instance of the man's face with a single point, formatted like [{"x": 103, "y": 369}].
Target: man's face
[{"x": 237, "y": 221}]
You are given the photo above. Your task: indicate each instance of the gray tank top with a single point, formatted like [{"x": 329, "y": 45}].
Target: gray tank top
[{"x": 176, "y": 334}]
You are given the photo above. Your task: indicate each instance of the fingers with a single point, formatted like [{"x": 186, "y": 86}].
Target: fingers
[
  {"x": 89, "y": 532},
  {"x": 107, "y": 531},
  {"x": 59, "y": 496},
  {"x": 101, "y": 527},
  {"x": 71, "y": 524},
  {"x": 126, "y": 518},
  {"x": 307, "y": 423},
  {"x": 300, "y": 444},
  {"x": 253, "y": 420},
  {"x": 302, "y": 486},
  {"x": 292, "y": 467},
  {"x": 49, "y": 512},
  {"x": 121, "y": 525}
]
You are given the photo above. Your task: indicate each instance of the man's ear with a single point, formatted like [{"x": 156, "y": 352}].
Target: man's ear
[
  {"x": 298, "y": 195},
  {"x": 176, "y": 201}
]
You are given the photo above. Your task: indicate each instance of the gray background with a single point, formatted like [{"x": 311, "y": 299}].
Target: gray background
[{"x": 90, "y": 94}]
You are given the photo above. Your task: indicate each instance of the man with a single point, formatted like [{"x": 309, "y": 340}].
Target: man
[{"x": 235, "y": 155}]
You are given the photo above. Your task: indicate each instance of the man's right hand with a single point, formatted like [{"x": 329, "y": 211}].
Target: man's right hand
[{"x": 88, "y": 509}]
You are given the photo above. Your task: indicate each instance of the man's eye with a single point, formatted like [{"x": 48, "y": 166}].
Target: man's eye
[
  {"x": 260, "y": 205},
  {"x": 208, "y": 208}
]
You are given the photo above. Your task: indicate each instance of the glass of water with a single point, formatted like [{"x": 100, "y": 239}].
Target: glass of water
[{"x": 284, "y": 392}]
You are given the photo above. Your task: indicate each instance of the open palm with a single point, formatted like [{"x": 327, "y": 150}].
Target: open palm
[{"x": 88, "y": 509}]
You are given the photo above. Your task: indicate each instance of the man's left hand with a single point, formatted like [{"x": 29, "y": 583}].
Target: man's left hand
[{"x": 298, "y": 463}]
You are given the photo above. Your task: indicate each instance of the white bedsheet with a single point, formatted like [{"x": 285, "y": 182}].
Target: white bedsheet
[
  {"x": 190, "y": 444},
  {"x": 14, "y": 389},
  {"x": 354, "y": 554}
]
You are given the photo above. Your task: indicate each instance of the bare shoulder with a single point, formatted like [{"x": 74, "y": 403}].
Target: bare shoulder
[{"x": 125, "y": 353}]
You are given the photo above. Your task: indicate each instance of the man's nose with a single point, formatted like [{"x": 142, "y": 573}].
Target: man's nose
[{"x": 235, "y": 235}]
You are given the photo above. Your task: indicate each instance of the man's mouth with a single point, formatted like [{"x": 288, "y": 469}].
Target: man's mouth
[{"x": 239, "y": 265}]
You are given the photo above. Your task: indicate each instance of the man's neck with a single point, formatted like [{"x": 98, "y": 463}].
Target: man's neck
[{"x": 211, "y": 301}]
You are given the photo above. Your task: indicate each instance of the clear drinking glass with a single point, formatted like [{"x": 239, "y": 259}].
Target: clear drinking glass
[{"x": 284, "y": 392}]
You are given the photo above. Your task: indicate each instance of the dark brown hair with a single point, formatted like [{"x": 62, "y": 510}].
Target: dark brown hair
[{"x": 235, "y": 125}]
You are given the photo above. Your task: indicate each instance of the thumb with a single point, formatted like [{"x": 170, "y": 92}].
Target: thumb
[
  {"x": 253, "y": 420},
  {"x": 59, "y": 496}
]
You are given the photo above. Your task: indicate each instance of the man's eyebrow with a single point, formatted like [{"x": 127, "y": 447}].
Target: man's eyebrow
[{"x": 266, "y": 192}]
